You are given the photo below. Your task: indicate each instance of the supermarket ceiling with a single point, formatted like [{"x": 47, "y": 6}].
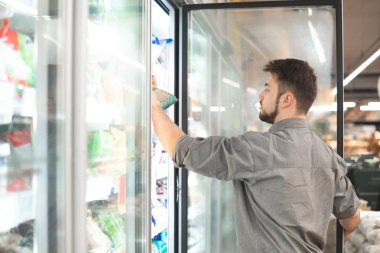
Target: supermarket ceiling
[{"x": 361, "y": 27}]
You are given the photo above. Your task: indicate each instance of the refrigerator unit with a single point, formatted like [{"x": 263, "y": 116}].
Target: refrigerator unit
[
  {"x": 31, "y": 160},
  {"x": 75, "y": 126},
  {"x": 81, "y": 169}
]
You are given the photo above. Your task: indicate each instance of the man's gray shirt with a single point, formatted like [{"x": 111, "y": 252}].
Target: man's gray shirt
[{"x": 287, "y": 182}]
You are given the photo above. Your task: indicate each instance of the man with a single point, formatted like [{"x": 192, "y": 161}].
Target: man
[{"x": 287, "y": 181}]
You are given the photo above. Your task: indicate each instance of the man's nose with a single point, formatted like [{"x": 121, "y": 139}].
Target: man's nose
[{"x": 261, "y": 96}]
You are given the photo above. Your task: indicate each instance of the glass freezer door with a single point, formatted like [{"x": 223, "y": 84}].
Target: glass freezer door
[
  {"x": 32, "y": 150},
  {"x": 225, "y": 47},
  {"x": 118, "y": 126}
]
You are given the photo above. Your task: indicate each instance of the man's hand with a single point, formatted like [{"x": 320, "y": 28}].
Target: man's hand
[
  {"x": 349, "y": 224},
  {"x": 167, "y": 132},
  {"x": 154, "y": 100}
]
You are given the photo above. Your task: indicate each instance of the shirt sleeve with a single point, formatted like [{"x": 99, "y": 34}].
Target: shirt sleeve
[
  {"x": 346, "y": 202},
  {"x": 219, "y": 157}
]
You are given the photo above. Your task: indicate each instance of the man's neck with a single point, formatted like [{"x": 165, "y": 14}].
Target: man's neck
[{"x": 293, "y": 116}]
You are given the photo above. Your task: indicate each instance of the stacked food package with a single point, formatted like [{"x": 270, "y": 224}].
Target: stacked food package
[
  {"x": 17, "y": 117},
  {"x": 17, "y": 80},
  {"x": 374, "y": 143},
  {"x": 160, "y": 160}
]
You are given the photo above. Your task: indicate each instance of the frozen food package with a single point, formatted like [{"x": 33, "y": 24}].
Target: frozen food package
[
  {"x": 159, "y": 46},
  {"x": 166, "y": 99},
  {"x": 113, "y": 225}
]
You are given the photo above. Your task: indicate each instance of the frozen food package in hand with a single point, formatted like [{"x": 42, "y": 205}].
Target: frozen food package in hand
[{"x": 166, "y": 99}]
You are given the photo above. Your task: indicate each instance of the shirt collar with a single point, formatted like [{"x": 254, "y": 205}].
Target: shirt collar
[{"x": 289, "y": 123}]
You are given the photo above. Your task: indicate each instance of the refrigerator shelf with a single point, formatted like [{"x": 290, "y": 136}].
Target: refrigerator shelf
[
  {"x": 111, "y": 158},
  {"x": 17, "y": 208}
]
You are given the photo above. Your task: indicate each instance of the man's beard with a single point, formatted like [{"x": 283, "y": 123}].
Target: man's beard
[{"x": 269, "y": 117}]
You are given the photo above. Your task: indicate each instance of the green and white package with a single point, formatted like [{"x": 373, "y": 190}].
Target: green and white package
[{"x": 166, "y": 99}]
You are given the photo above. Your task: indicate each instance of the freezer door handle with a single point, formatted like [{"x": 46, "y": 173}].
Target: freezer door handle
[{"x": 178, "y": 188}]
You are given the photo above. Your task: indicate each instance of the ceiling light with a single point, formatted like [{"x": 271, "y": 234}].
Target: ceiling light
[
  {"x": 323, "y": 108},
  {"x": 345, "y": 105},
  {"x": 374, "y": 104},
  {"x": 349, "y": 104},
  {"x": 331, "y": 108},
  {"x": 359, "y": 69},
  {"x": 369, "y": 108}
]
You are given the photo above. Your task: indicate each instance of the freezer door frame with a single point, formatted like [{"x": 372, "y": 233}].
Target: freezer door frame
[{"x": 183, "y": 62}]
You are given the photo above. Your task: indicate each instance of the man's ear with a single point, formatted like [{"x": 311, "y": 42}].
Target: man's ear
[{"x": 288, "y": 99}]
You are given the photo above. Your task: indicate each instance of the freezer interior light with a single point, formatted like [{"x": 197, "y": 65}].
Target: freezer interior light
[
  {"x": 196, "y": 108},
  {"x": 230, "y": 82},
  {"x": 251, "y": 91},
  {"x": 317, "y": 42},
  {"x": 217, "y": 108}
]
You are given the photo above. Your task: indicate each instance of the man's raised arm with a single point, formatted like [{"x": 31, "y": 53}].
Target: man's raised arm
[{"x": 167, "y": 132}]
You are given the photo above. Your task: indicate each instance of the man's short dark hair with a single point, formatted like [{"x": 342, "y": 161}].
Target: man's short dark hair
[{"x": 297, "y": 77}]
